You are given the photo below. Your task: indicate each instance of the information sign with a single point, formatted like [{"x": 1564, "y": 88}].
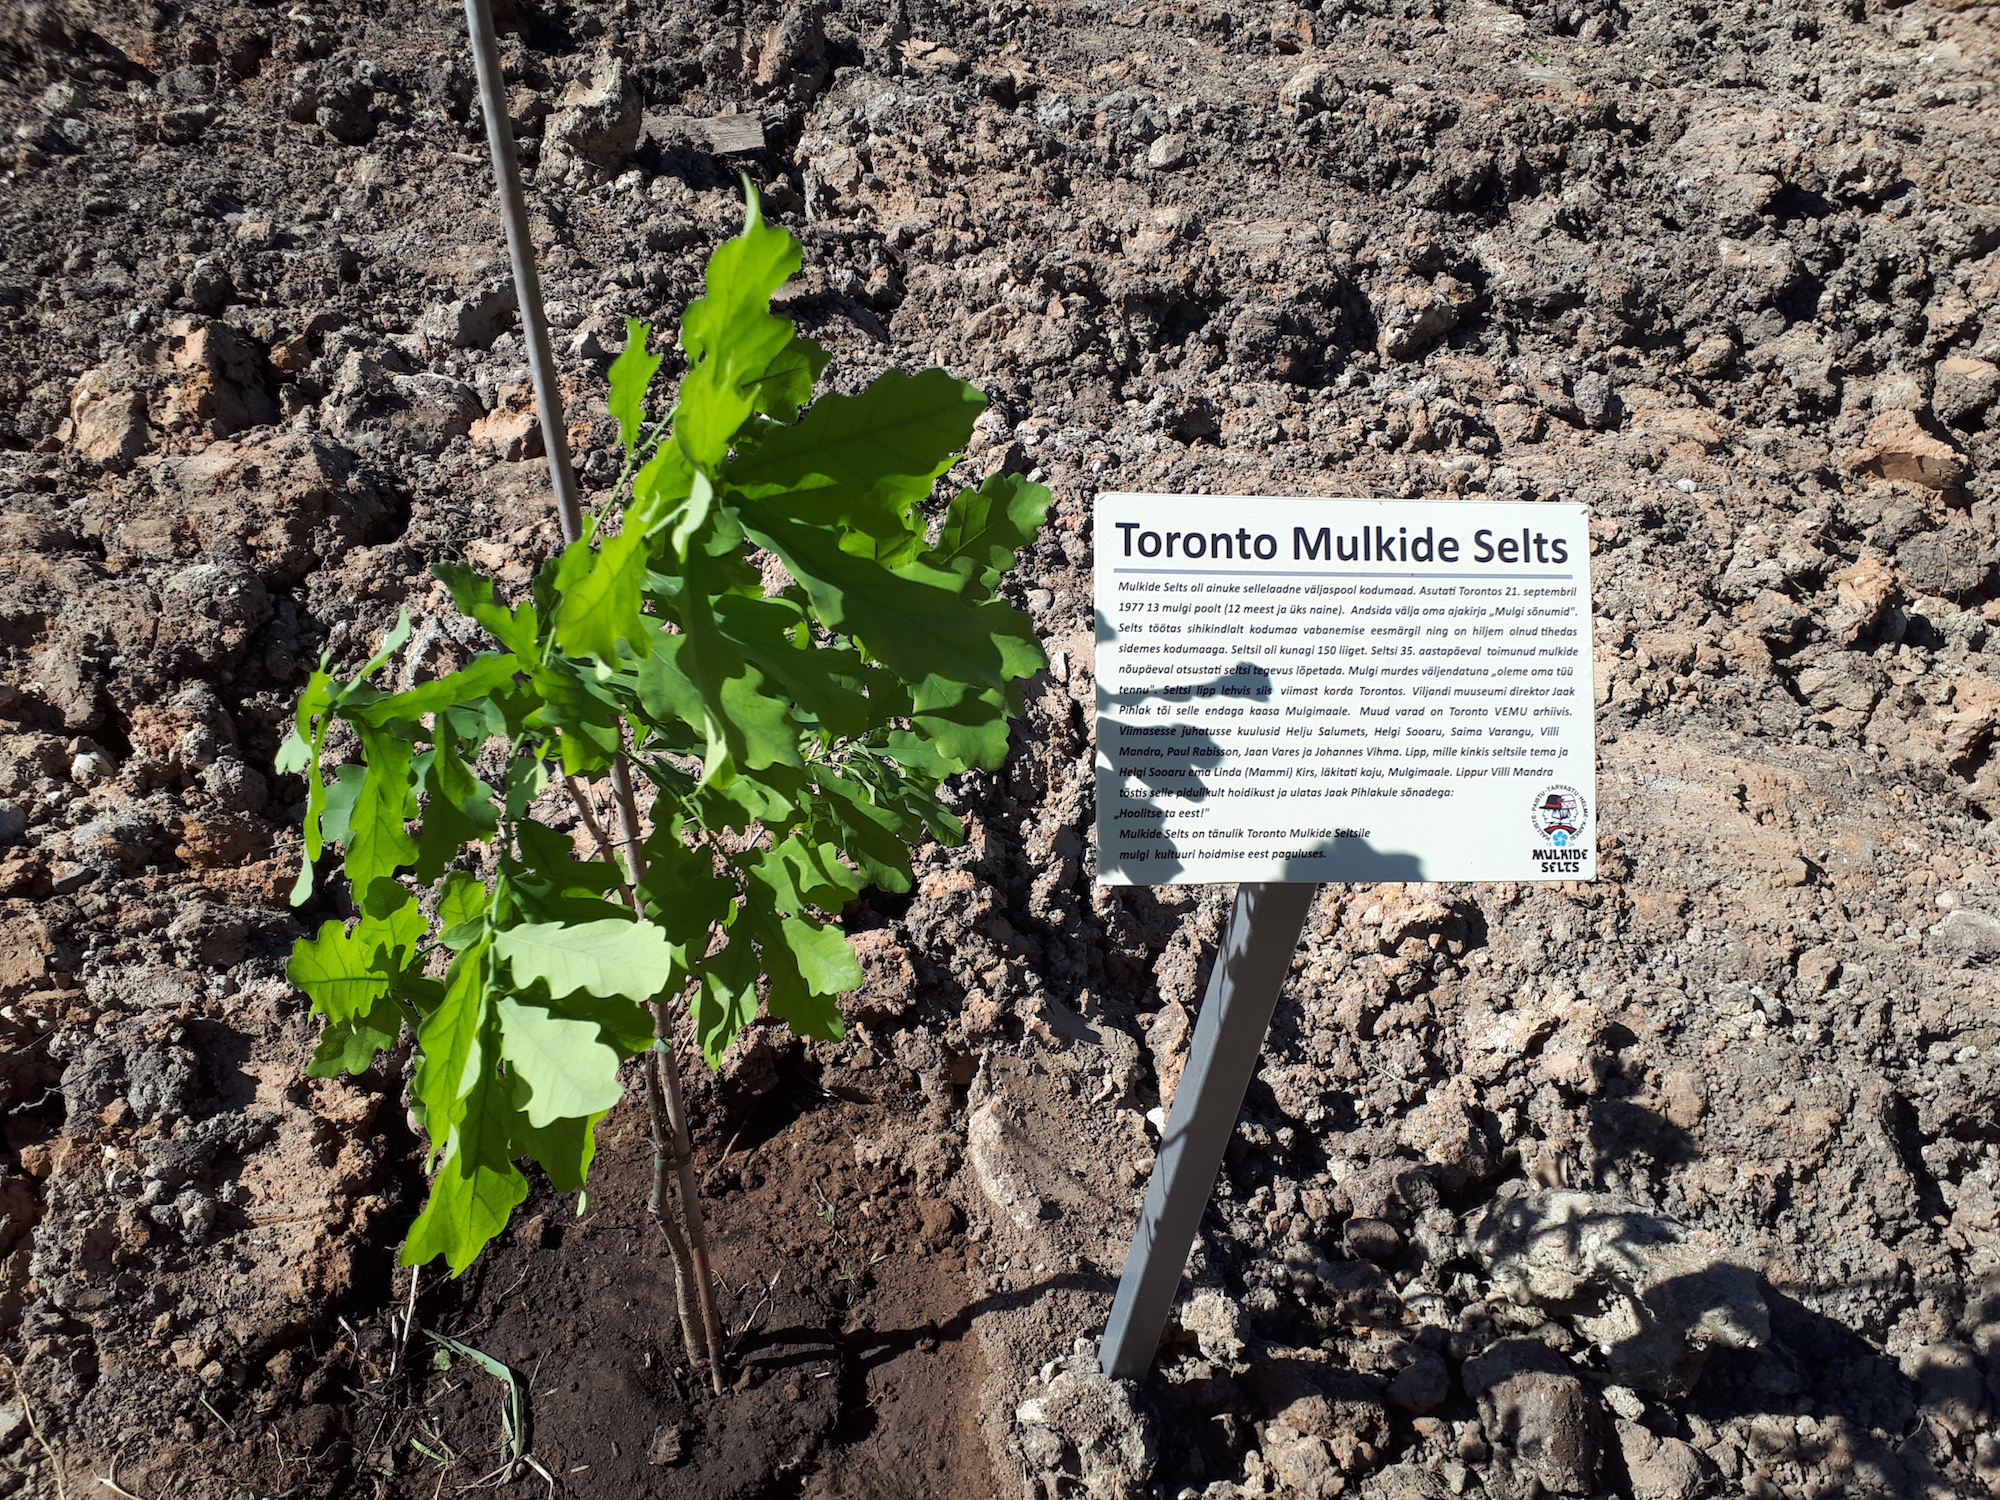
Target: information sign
[{"x": 1343, "y": 690}]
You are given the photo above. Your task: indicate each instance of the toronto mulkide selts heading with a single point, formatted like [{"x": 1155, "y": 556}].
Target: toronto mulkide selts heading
[{"x": 1370, "y": 544}]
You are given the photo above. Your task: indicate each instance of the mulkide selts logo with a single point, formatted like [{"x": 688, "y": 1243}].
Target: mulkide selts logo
[{"x": 1560, "y": 816}]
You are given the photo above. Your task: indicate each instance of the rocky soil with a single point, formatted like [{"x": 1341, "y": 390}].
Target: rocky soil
[{"x": 1685, "y": 1183}]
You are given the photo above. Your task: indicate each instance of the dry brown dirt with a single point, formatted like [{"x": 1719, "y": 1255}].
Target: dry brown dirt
[{"x": 1685, "y": 1183}]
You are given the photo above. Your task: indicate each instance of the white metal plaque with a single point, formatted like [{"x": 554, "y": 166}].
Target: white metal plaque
[{"x": 1343, "y": 690}]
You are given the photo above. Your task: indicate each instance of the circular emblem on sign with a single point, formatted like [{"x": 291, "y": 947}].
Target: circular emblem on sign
[{"x": 1559, "y": 815}]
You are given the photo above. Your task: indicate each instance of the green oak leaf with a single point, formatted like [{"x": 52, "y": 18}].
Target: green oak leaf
[
  {"x": 605, "y": 958},
  {"x": 631, "y": 373},
  {"x": 825, "y": 957},
  {"x": 516, "y": 629},
  {"x": 567, "y": 1069},
  {"x": 565, "y": 1148},
  {"x": 912, "y": 618},
  {"x": 985, "y": 529},
  {"x": 863, "y": 462},
  {"x": 338, "y": 972},
  {"x": 477, "y": 1186},
  {"x": 799, "y": 874},
  {"x": 789, "y": 995},
  {"x": 725, "y": 1000},
  {"x": 378, "y": 844},
  {"x": 732, "y": 339},
  {"x": 476, "y": 680},
  {"x": 453, "y": 1043},
  {"x": 350, "y": 1046},
  {"x": 336, "y": 821}
]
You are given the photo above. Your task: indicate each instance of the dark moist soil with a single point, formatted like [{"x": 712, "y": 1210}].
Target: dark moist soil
[{"x": 842, "y": 1301}]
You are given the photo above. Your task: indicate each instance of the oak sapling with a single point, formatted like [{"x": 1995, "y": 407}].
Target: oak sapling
[{"x": 790, "y": 742}]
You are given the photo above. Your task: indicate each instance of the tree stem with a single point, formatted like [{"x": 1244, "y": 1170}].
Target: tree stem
[
  {"x": 669, "y": 1084},
  {"x": 670, "y": 1076},
  {"x": 694, "y": 1333}
]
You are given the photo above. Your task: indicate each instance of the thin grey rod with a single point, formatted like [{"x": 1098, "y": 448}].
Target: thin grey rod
[
  {"x": 1243, "y": 989},
  {"x": 521, "y": 252}
]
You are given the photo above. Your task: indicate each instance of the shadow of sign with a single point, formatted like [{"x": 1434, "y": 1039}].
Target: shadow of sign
[{"x": 1168, "y": 780}]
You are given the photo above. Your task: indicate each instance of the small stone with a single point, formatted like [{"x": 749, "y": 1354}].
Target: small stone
[
  {"x": 1965, "y": 389},
  {"x": 1950, "y": 1386},
  {"x": 1971, "y": 935},
  {"x": 1373, "y": 1239},
  {"x": 1309, "y": 88},
  {"x": 1863, "y": 597},
  {"x": 1898, "y": 447},
  {"x": 1302, "y": 1463},
  {"x": 470, "y": 322},
  {"x": 181, "y": 127},
  {"x": 1530, "y": 1397},
  {"x": 1712, "y": 356},
  {"x": 1659, "y": 1468},
  {"x": 669, "y": 1445},
  {"x": 90, "y": 765},
  {"x": 1596, "y": 401},
  {"x": 514, "y": 435},
  {"x": 1624, "y": 1401},
  {"x": 932, "y": 57},
  {"x": 1421, "y": 1387},
  {"x": 1168, "y": 152},
  {"x": 1952, "y": 562}
]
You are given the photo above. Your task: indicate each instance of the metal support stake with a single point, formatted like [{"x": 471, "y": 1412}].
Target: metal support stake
[
  {"x": 521, "y": 252},
  {"x": 1242, "y": 993}
]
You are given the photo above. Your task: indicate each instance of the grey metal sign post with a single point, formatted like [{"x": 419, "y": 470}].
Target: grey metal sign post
[{"x": 1242, "y": 993}]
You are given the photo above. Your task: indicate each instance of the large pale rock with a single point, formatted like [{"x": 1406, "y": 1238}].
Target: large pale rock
[
  {"x": 1863, "y": 597},
  {"x": 1660, "y": 1468},
  {"x": 1088, "y": 1423},
  {"x": 1642, "y": 1287},
  {"x": 224, "y": 385},
  {"x": 1964, "y": 389},
  {"x": 106, "y": 425},
  {"x": 597, "y": 119},
  {"x": 1412, "y": 316},
  {"x": 1898, "y": 447},
  {"x": 1970, "y": 935}
]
